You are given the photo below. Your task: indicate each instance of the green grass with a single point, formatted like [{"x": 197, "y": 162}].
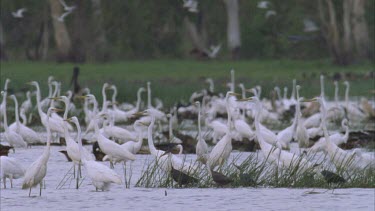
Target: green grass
[{"x": 176, "y": 80}]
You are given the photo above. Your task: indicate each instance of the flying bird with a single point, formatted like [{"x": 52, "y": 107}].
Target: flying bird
[
  {"x": 66, "y": 7},
  {"x": 19, "y": 13},
  {"x": 62, "y": 17}
]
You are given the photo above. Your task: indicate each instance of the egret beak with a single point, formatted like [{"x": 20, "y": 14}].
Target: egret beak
[
  {"x": 246, "y": 99},
  {"x": 234, "y": 94},
  {"x": 57, "y": 110},
  {"x": 144, "y": 124},
  {"x": 55, "y": 98},
  {"x": 139, "y": 114},
  {"x": 310, "y": 100},
  {"x": 68, "y": 120}
]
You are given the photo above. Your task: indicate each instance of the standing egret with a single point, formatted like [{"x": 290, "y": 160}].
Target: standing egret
[
  {"x": 10, "y": 168},
  {"x": 27, "y": 105},
  {"x": 353, "y": 112},
  {"x": 3, "y": 103},
  {"x": 28, "y": 135},
  {"x": 13, "y": 138},
  {"x": 301, "y": 134},
  {"x": 100, "y": 175},
  {"x": 159, "y": 115},
  {"x": 220, "y": 153},
  {"x": 37, "y": 171},
  {"x": 201, "y": 149},
  {"x": 111, "y": 148}
]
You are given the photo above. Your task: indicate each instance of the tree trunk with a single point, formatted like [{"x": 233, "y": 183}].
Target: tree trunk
[
  {"x": 360, "y": 30},
  {"x": 194, "y": 35},
  {"x": 347, "y": 31},
  {"x": 2, "y": 43},
  {"x": 63, "y": 43},
  {"x": 233, "y": 27},
  {"x": 101, "y": 43}
]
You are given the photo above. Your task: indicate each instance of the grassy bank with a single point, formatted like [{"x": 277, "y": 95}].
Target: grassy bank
[{"x": 176, "y": 80}]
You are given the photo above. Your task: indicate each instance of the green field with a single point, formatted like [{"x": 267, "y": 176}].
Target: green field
[{"x": 176, "y": 80}]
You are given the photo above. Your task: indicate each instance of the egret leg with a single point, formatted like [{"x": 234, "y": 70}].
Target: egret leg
[
  {"x": 111, "y": 165},
  {"x": 74, "y": 170},
  {"x": 126, "y": 182},
  {"x": 11, "y": 181},
  {"x": 30, "y": 192},
  {"x": 5, "y": 182},
  {"x": 40, "y": 191},
  {"x": 80, "y": 169}
]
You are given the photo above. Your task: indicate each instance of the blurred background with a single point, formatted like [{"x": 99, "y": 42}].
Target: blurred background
[{"x": 102, "y": 31}]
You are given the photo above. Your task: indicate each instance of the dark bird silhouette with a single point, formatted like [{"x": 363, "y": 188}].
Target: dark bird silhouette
[
  {"x": 97, "y": 152},
  {"x": 167, "y": 147},
  {"x": 219, "y": 178},
  {"x": 4, "y": 150},
  {"x": 181, "y": 178},
  {"x": 74, "y": 81},
  {"x": 331, "y": 177},
  {"x": 66, "y": 155}
]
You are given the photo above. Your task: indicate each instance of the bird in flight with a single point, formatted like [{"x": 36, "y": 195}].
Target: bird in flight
[
  {"x": 19, "y": 13},
  {"x": 62, "y": 17},
  {"x": 66, "y": 7}
]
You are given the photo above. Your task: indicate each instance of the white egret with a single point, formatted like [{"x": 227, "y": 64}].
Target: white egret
[
  {"x": 100, "y": 175},
  {"x": 3, "y": 102},
  {"x": 201, "y": 149},
  {"x": 111, "y": 148},
  {"x": 353, "y": 112},
  {"x": 336, "y": 138},
  {"x": 28, "y": 135},
  {"x": 56, "y": 126},
  {"x": 301, "y": 135},
  {"x": 118, "y": 133},
  {"x": 13, "y": 138},
  {"x": 172, "y": 138},
  {"x": 221, "y": 151},
  {"x": 27, "y": 105},
  {"x": 35, "y": 174},
  {"x": 10, "y": 168},
  {"x": 159, "y": 115}
]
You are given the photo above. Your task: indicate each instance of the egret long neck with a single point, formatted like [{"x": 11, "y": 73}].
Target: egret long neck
[
  {"x": 5, "y": 113},
  {"x": 199, "y": 124},
  {"x": 170, "y": 128},
  {"x": 292, "y": 97},
  {"x": 48, "y": 146},
  {"x": 55, "y": 94},
  {"x": 148, "y": 96},
  {"x": 347, "y": 95},
  {"x": 114, "y": 95},
  {"x": 40, "y": 111},
  {"x": 16, "y": 111},
  {"x": 336, "y": 94},
  {"x": 79, "y": 138},
  {"x": 104, "y": 96},
  {"x": 151, "y": 145},
  {"x": 322, "y": 86},
  {"x": 232, "y": 86},
  {"x": 138, "y": 99}
]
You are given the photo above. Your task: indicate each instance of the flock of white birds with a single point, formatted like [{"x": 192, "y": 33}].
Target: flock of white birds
[{"x": 103, "y": 123}]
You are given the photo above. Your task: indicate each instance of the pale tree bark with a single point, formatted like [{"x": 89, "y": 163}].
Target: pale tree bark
[
  {"x": 233, "y": 27},
  {"x": 349, "y": 41},
  {"x": 101, "y": 43},
  {"x": 360, "y": 30},
  {"x": 347, "y": 29},
  {"x": 61, "y": 35}
]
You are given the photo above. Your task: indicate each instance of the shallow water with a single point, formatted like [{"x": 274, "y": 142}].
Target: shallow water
[{"x": 119, "y": 198}]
